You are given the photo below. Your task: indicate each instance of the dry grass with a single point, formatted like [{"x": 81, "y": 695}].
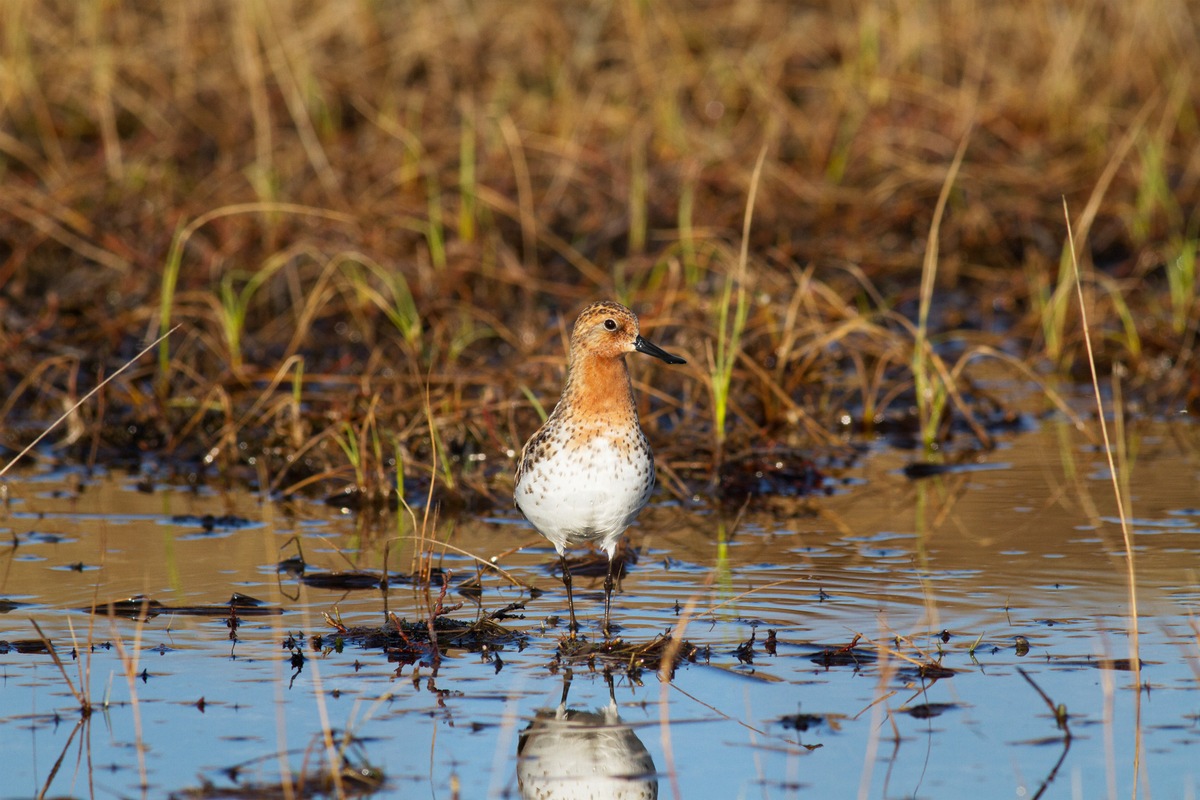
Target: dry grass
[{"x": 395, "y": 211}]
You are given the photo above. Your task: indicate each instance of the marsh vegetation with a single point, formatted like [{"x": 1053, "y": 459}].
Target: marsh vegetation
[{"x": 875, "y": 231}]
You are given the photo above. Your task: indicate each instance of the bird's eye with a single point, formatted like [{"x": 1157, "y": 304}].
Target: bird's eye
[{"x": 610, "y": 324}]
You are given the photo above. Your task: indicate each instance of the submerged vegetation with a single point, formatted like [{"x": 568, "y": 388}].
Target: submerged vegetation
[{"x": 373, "y": 224}]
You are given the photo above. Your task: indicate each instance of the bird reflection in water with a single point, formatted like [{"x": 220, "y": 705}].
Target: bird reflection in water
[{"x": 567, "y": 753}]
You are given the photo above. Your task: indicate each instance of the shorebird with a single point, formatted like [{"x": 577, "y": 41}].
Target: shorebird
[
  {"x": 588, "y": 471},
  {"x": 571, "y": 753}
]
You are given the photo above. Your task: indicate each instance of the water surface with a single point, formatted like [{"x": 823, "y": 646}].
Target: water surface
[{"x": 1019, "y": 565}]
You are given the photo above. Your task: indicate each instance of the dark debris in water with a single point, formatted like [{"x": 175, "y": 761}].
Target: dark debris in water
[
  {"x": 745, "y": 651},
  {"x": 774, "y": 473},
  {"x": 10, "y": 605},
  {"x": 210, "y": 523},
  {"x": 355, "y": 777},
  {"x": 406, "y": 642},
  {"x": 23, "y": 646},
  {"x": 916, "y": 470},
  {"x": 142, "y": 607},
  {"x": 847, "y": 655},
  {"x": 343, "y": 580},
  {"x": 927, "y": 671},
  {"x": 801, "y": 722},
  {"x": 40, "y": 537},
  {"x": 928, "y": 710},
  {"x": 351, "y": 580},
  {"x": 632, "y": 657},
  {"x": 1119, "y": 664}
]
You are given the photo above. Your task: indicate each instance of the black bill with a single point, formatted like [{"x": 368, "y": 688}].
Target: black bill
[{"x": 649, "y": 348}]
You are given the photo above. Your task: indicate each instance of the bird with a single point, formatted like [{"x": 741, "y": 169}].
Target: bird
[
  {"x": 588, "y": 471},
  {"x": 567, "y": 753}
]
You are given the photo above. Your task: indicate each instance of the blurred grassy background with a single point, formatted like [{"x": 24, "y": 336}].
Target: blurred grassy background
[{"x": 376, "y": 221}]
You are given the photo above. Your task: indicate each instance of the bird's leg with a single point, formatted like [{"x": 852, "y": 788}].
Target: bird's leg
[
  {"x": 608, "y": 588},
  {"x": 566, "y": 577},
  {"x": 567, "y": 676}
]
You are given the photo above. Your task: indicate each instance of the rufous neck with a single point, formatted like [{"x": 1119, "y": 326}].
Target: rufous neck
[{"x": 599, "y": 388}]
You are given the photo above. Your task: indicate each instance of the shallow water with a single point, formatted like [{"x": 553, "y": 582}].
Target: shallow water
[{"x": 959, "y": 569}]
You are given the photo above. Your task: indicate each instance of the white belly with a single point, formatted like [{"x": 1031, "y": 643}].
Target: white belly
[{"x": 587, "y": 493}]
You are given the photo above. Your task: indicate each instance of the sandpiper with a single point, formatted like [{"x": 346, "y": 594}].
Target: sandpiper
[{"x": 588, "y": 471}]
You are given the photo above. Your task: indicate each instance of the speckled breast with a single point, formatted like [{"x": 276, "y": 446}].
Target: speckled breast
[{"x": 588, "y": 491}]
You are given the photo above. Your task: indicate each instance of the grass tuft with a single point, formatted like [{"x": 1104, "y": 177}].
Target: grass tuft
[{"x": 402, "y": 203}]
